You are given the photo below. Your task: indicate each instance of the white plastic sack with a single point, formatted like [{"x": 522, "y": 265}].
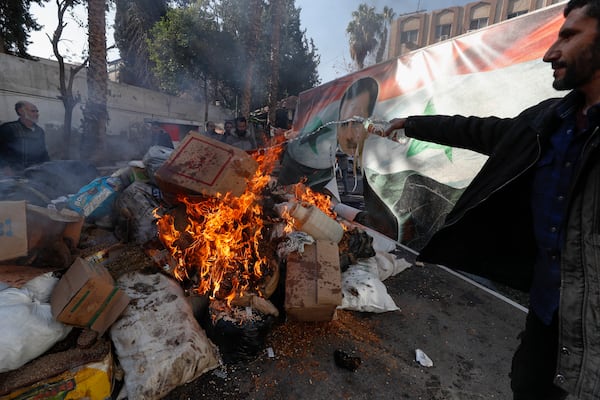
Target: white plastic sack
[
  {"x": 363, "y": 291},
  {"x": 28, "y": 328},
  {"x": 154, "y": 159},
  {"x": 384, "y": 265},
  {"x": 157, "y": 339}
]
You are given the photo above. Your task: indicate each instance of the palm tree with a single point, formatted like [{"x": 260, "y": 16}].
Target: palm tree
[
  {"x": 95, "y": 114},
  {"x": 364, "y": 29},
  {"x": 388, "y": 17}
]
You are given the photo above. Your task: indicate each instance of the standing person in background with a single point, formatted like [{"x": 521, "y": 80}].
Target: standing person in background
[
  {"x": 22, "y": 142},
  {"x": 159, "y": 137},
  {"x": 227, "y": 131},
  {"x": 241, "y": 137},
  {"x": 530, "y": 218},
  {"x": 211, "y": 132}
]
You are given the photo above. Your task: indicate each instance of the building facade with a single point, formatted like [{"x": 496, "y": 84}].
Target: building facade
[{"x": 420, "y": 29}]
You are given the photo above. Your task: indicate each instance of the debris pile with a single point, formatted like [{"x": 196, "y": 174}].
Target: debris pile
[{"x": 165, "y": 269}]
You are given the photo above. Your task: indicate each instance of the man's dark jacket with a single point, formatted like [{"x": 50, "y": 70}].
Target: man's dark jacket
[
  {"x": 21, "y": 147},
  {"x": 489, "y": 231}
]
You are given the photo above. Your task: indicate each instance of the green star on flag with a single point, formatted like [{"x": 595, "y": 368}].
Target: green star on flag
[{"x": 417, "y": 146}]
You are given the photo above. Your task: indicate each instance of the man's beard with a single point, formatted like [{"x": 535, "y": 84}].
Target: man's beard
[{"x": 581, "y": 70}]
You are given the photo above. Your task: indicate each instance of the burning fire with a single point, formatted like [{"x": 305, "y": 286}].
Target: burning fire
[{"x": 220, "y": 245}]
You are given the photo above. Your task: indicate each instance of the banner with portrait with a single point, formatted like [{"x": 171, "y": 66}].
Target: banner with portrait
[{"x": 496, "y": 70}]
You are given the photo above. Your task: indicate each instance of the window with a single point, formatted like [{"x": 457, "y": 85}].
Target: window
[
  {"x": 442, "y": 32},
  {"x": 478, "y": 23},
  {"x": 516, "y": 14},
  {"x": 409, "y": 36}
]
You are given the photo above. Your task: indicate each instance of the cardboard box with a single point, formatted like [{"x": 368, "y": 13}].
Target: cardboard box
[
  {"x": 86, "y": 296},
  {"x": 200, "y": 165},
  {"x": 25, "y": 226},
  {"x": 47, "y": 225},
  {"x": 13, "y": 229},
  {"x": 313, "y": 283},
  {"x": 93, "y": 381}
]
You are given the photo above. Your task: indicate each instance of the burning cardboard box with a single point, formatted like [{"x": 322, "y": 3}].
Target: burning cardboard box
[
  {"x": 86, "y": 296},
  {"x": 313, "y": 283},
  {"x": 201, "y": 165}
]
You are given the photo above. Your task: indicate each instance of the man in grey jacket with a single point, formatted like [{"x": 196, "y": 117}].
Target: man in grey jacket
[{"x": 531, "y": 216}]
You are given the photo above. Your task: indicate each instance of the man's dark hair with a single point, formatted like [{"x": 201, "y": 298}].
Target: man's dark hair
[
  {"x": 592, "y": 10},
  {"x": 241, "y": 119},
  {"x": 359, "y": 87},
  {"x": 19, "y": 105}
]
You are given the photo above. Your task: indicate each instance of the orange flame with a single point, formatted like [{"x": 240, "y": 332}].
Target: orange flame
[
  {"x": 220, "y": 244},
  {"x": 307, "y": 196}
]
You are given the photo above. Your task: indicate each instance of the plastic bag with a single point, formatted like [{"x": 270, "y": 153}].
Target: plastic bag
[
  {"x": 157, "y": 339},
  {"x": 28, "y": 328},
  {"x": 135, "y": 209},
  {"x": 363, "y": 291},
  {"x": 154, "y": 158},
  {"x": 96, "y": 199}
]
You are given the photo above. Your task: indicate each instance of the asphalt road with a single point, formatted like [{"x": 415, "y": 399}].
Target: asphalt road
[{"x": 469, "y": 334}]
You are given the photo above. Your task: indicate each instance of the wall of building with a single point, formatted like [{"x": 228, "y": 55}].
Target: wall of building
[
  {"x": 129, "y": 107},
  {"x": 461, "y": 19}
]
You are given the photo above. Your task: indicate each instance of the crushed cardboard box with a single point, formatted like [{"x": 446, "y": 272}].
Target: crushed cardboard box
[
  {"x": 86, "y": 296},
  {"x": 13, "y": 229},
  {"x": 25, "y": 226},
  {"x": 313, "y": 287},
  {"x": 201, "y": 165}
]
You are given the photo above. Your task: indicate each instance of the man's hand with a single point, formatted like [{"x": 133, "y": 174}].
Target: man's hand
[{"x": 395, "y": 124}]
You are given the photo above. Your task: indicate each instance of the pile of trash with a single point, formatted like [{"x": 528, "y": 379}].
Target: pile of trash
[{"x": 130, "y": 284}]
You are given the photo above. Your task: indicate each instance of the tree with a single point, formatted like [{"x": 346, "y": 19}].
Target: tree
[
  {"x": 15, "y": 24},
  {"x": 201, "y": 49},
  {"x": 388, "y": 16},
  {"x": 133, "y": 21},
  {"x": 251, "y": 44},
  {"x": 277, "y": 18},
  {"x": 95, "y": 113},
  {"x": 364, "y": 30},
  {"x": 67, "y": 97}
]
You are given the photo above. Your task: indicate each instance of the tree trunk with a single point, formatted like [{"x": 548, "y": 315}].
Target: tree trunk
[
  {"x": 277, "y": 6},
  {"x": 95, "y": 114},
  {"x": 65, "y": 87},
  {"x": 254, "y": 19}
]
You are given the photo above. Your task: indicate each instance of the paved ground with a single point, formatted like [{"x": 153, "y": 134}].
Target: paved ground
[{"x": 468, "y": 333}]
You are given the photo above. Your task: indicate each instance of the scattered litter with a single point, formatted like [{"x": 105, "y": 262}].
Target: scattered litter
[
  {"x": 346, "y": 361},
  {"x": 422, "y": 358},
  {"x": 270, "y": 352}
]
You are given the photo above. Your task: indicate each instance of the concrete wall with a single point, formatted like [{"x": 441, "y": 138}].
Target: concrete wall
[{"x": 128, "y": 106}]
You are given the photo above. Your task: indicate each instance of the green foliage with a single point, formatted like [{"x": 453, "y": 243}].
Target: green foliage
[
  {"x": 16, "y": 23},
  {"x": 206, "y": 43},
  {"x": 133, "y": 20},
  {"x": 367, "y": 32}
]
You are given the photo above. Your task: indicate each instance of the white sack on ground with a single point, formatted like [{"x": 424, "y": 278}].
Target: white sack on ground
[
  {"x": 28, "y": 328},
  {"x": 362, "y": 284},
  {"x": 384, "y": 265},
  {"x": 157, "y": 339},
  {"x": 363, "y": 291}
]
